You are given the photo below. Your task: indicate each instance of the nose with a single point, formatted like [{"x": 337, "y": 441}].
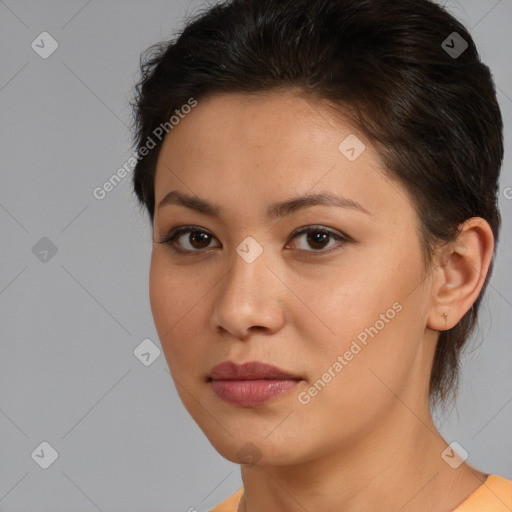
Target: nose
[{"x": 250, "y": 298}]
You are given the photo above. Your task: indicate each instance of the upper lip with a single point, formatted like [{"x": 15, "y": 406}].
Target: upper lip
[{"x": 228, "y": 370}]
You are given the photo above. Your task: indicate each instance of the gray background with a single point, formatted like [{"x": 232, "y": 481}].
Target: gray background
[{"x": 70, "y": 324}]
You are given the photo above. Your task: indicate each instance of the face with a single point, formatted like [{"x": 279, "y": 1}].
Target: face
[{"x": 332, "y": 292}]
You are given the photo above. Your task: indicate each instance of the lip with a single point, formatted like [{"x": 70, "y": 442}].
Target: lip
[
  {"x": 252, "y": 370},
  {"x": 250, "y": 384}
]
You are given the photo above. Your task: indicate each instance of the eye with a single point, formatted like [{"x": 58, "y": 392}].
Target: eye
[
  {"x": 317, "y": 238},
  {"x": 191, "y": 239}
]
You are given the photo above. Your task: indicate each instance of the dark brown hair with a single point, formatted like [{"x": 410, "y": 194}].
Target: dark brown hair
[{"x": 418, "y": 91}]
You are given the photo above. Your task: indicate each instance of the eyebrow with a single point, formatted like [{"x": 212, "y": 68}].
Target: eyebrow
[{"x": 274, "y": 210}]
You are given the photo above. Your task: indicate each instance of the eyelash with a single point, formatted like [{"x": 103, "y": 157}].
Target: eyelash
[{"x": 177, "y": 232}]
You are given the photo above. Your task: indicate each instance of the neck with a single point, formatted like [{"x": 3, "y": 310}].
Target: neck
[{"x": 397, "y": 466}]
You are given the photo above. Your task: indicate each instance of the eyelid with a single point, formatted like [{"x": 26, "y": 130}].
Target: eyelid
[{"x": 317, "y": 227}]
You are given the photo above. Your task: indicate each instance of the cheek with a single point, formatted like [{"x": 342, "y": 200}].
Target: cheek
[
  {"x": 349, "y": 298},
  {"x": 379, "y": 327},
  {"x": 371, "y": 310},
  {"x": 353, "y": 385},
  {"x": 160, "y": 298},
  {"x": 175, "y": 306}
]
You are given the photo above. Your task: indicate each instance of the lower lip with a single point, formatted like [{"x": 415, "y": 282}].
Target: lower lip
[{"x": 248, "y": 393}]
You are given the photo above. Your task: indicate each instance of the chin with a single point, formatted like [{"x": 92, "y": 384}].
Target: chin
[{"x": 258, "y": 451}]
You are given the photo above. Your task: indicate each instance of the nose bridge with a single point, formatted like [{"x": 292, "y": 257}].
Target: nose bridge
[
  {"x": 249, "y": 276},
  {"x": 248, "y": 295}
]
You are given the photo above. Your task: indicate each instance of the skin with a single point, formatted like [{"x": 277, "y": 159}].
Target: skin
[{"x": 366, "y": 441}]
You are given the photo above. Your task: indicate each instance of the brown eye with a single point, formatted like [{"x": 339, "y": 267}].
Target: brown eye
[
  {"x": 317, "y": 239},
  {"x": 188, "y": 239},
  {"x": 199, "y": 239}
]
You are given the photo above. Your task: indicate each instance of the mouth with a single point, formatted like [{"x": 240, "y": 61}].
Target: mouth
[{"x": 250, "y": 384}]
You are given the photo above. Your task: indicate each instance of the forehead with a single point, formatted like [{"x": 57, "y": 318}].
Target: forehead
[
  {"x": 262, "y": 148},
  {"x": 260, "y": 121}
]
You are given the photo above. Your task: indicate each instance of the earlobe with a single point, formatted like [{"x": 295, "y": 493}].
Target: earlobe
[{"x": 460, "y": 274}]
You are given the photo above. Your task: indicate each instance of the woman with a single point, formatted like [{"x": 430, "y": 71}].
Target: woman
[{"x": 321, "y": 178}]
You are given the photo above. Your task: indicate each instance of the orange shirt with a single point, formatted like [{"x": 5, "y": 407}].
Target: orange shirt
[{"x": 494, "y": 495}]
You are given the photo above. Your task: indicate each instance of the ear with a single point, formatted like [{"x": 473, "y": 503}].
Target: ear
[{"x": 459, "y": 275}]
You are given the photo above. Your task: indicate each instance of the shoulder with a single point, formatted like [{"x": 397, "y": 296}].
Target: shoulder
[
  {"x": 231, "y": 504},
  {"x": 494, "y": 495}
]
